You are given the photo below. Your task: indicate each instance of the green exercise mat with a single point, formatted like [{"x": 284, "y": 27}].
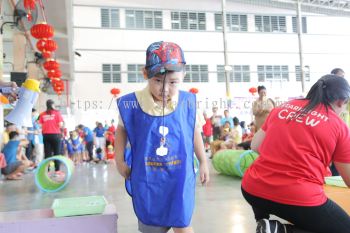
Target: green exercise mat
[
  {"x": 73, "y": 206},
  {"x": 47, "y": 181},
  {"x": 233, "y": 162}
]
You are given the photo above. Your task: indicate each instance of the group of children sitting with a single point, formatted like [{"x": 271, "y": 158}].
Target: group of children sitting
[{"x": 227, "y": 132}]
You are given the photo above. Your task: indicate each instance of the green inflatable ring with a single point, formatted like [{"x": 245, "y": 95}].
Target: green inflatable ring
[
  {"x": 44, "y": 182},
  {"x": 233, "y": 162}
]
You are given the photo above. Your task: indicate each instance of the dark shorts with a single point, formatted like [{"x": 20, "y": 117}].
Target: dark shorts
[
  {"x": 11, "y": 168},
  {"x": 152, "y": 229}
]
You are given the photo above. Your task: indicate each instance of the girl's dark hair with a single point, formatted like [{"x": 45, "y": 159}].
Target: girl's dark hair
[
  {"x": 98, "y": 150},
  {"x": 49, "y": 106},
  {"x": 13, "y": 134},
  {"x": 261, "y": 88},
  {"x": 326, "y": 90},
  {"x": 336, "y": 71},
  {"x": 235, "y": 121}
]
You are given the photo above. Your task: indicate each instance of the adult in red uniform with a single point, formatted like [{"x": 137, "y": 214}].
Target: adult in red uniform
[
  {"x": 51, "y": 121},
  {"x": 297, "y": 143}
]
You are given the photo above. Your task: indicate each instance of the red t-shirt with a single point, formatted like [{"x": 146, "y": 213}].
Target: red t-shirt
[
  {"x": 111, "y": 129},
  {"x": 50, "y": 122},
  {"x": 295, "y": 155},
  {"x": 207, "y": 128}
]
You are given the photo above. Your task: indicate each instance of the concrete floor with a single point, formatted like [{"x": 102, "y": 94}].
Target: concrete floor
[{"x": 220, "y": 206}]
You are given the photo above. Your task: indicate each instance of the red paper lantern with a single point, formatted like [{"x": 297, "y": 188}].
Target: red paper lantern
[
  {"x": 253, "y": 90},
  {"x": 194, "y": 90},
  {"x": 46, "y": 54},
  {"x": 51, "y": 65},
  {"x": 42, "y": 30},
  {"x": 54, "y": 73},
  {"x": 58, "y": 85},
  {"x": 46, "y": 45},
  {"x": 29, "y": 4},
  {"x": 115, "y": 91}
]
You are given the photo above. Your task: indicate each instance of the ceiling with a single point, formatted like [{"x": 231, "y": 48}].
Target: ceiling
[{"x": 58, "y": 13}]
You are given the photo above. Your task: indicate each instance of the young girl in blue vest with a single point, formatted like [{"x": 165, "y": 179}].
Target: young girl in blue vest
[{"x": 160, "y": 124}]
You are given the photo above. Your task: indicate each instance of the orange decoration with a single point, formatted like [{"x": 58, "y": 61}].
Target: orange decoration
[
  {"x": 42, "y": 30},
  {"x": 54, "y": 73},
  {"x": 194, "y": 90},
  {"x": 44, "y": 45},
  {"x": 29, "y": 4},
  {"x": 4, "y": 100},
  {"x": 115, "y": 91},
  {"x": 51, "y": 65},
  {"x": 253, "y": 90},
  {"x": 46, "y": 54}
]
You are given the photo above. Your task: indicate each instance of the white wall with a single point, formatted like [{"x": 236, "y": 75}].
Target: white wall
[{"x": 324, "y": 48}]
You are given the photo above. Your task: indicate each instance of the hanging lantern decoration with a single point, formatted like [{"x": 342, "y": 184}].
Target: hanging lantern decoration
[
  {"x": 29, "y": 4},
  {"x": 253, "y": 90},
  {"x": 115, "y": 92},
  {"x": 194, "y": 90},
  {"x": 44, "y": 45},
  {"x": 54, "y": 73},
  {"x": 55, "y": 79},
  {"x": 51, "y": 65},
  {"x": 42, "y": 30},
  {"x": 58, "y": 86},
  {"x": 46, "y": 54}
]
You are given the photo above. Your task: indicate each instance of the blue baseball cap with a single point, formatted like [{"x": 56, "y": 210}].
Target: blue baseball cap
[{"x": 164, "y": 56}]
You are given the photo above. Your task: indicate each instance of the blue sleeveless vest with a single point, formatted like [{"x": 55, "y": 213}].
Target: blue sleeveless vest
[{"x": 162, "y": 187}]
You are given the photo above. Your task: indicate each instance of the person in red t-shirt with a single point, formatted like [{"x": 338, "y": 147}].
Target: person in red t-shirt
[
  {"x": 207, "y": 131},
  {"x": 51, "y": 121},
  {"x": 297, "y": 142}
]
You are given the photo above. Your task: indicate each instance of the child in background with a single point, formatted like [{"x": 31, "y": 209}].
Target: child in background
[
  {"x": 207, "y": 132},
  {"x": 163, "y": 135},
  {"x": 74, "y": 147},
  {"x": 99, "y": 154},
  {"x": 16, "y": 160},
  {"x": 110, "y": 154}
]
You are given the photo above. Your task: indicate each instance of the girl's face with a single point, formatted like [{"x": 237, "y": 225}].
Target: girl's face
[
  {"x": 262, "y": 93},
  {"x": 227, "y": 125},
  {"x": 168, "y": 87}
]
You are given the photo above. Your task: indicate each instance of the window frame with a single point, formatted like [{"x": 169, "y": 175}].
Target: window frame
[
  {"x": 239, "y": 74},
  {"x": 107, "y": 17},
  {"x": 273, "y": 73},
  {"x": 241, "y": 26},
  {"x": 196, "y": 73},
  {"x": 114, "y": 74},
  {"x": 188, "y": 20},
  {"x": 143, "y": 19},
  {"x": 137, "y": 73},
  {"x": 270, "y": 23}
]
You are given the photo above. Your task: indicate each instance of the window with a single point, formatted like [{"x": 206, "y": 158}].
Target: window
[
  {"x": 239, "y": 73},
  {"x": 273, "y": 73},
  {"x": 233, "y": 22},
  {"x": 144, "y": 19},
  {"x": 111, "y": 73},
  {"x": 188, "y": 21},
  {"x": 196, "y": 73},
  {"x": 306, "y": 73},
  {"x": 110, "y": 18},
  {"x": 303, "y": 24},
  {"x": 270, "y": 23},
  {"x": 135, "y": 74}
]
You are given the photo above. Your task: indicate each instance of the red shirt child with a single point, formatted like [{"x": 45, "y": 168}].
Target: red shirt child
[{"x": 207, "y": 128}]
